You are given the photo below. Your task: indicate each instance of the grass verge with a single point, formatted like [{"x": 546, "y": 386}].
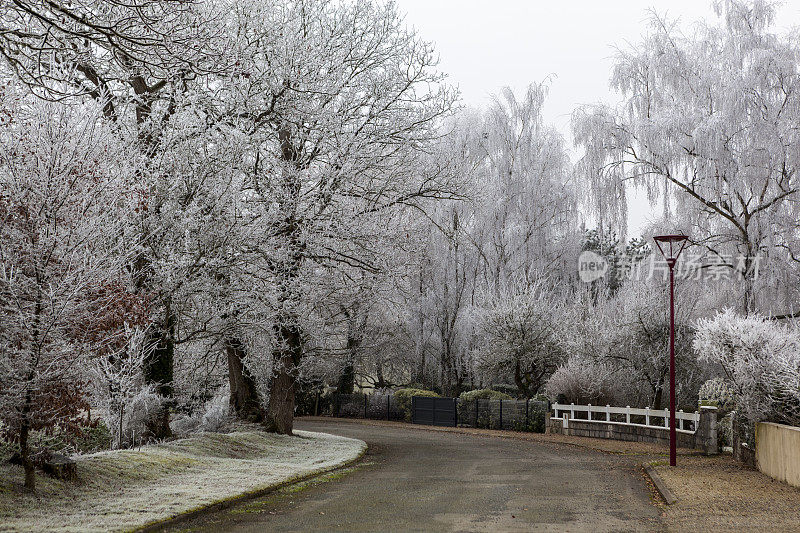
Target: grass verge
[{"x": 128, "y": 489}]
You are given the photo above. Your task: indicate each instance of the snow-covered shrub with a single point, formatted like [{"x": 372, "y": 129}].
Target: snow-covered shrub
[
  {"x": 584, "y": 382},
  {"x": 214, "y": 416},
  {"x": 484, "y": 394},
  {"x": 521, "y": 338},
  {"x": 140, "y": 414},
  {"x": 725, "y": 430},
  {"x": 761, "y": 359},
  {"x": 720, "y": 392},
  {"x": 217, "y": 411},
  {"x": 128, "y": 405},
  {"x": 182, "y": 425}
]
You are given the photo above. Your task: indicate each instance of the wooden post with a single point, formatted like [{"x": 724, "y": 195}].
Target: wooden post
[
  {"x": 608, "y": 413},
  {"x": 627, "y": 414}
]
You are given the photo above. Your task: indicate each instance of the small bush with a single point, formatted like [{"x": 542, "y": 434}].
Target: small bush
[
  {"x": 718, "y": 392},
  {"x": 582, "y": 382},
  {"x": 484, "y": 394},
  {"x": 511, "y": 390},
  {"x": 215, "y": 416},
  {"x": 725, "y": 430},
  {"x": 403, "y": 399},
  {"x": 217, "y": 411}
]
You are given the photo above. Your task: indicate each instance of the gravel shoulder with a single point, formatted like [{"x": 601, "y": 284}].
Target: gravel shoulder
[
  {"x": 125, "y": 489},
  {"x": 719, "y": 494}
]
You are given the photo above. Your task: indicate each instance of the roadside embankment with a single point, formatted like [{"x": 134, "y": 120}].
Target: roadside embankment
[{"x": 126, "y": 489}]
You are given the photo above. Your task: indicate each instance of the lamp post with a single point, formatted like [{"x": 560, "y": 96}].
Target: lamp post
[{"x": 671, "y": 247}]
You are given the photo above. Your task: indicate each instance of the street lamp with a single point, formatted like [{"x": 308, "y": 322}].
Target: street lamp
[{"x": 671, "y": 247}]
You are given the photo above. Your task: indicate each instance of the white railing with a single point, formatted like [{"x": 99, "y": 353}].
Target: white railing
[{"x": 686, "y": 422}]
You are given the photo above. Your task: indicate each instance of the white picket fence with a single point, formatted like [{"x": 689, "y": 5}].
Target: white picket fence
[{"x": 686, "y": 422}]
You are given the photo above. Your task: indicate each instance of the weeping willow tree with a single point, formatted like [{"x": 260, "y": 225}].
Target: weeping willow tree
[{"x": 708, "y": 127}]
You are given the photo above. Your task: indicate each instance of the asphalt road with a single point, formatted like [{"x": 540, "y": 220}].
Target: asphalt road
[{"x": 418, "y": 480}]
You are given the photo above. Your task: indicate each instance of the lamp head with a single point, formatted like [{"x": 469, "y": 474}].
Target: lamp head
[{"x": 670, "y": 246}]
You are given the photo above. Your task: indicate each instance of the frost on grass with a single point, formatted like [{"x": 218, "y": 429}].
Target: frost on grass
[{"x": 122, "y": 489}]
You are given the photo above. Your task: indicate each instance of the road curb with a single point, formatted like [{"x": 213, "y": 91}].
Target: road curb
[
  {"x": 666, "y": 494},
  {"x": 227, "y": 503}
]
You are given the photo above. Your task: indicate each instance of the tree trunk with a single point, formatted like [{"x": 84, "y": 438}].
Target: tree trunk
[
  {"x": 244, "y": 398},
  {"x": 519, "y": 381},
  {"x": 419, "y": 345},
  {"x": 380, "y": 380},
  {"x": 280, "y": 411},
  {"x": 24, "y": 452},
  {"x": 347, "y": 379},
  {"x": 159, "y": 371},
  {"x": 419, "y": 374},
  {"x": 658, "y": 396},
  {"x": 448, "y": 374}
]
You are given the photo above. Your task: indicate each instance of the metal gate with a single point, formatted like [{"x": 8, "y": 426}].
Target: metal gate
[{"x": 434, "y": 411}]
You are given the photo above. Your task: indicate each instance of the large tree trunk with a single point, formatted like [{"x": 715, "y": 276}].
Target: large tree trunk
[
  {"x": 280, "y": 411},
  {"x": 448, "y": 371},
  {"x": 159, "y": 371},
  {"x": 347, "y": 379},
  {"x": 244, "y": 398},
  {"x": 523, "y": 384},
  {"x": 658, "y": 396}
]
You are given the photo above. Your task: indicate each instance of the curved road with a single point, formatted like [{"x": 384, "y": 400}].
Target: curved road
[{"x": 419, "y": 480}]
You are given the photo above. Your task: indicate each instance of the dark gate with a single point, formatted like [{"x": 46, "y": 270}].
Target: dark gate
[{"x": 434, "y": 411}]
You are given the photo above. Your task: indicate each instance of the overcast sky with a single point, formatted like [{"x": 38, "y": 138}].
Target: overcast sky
[{"x": 489, "y": 44}]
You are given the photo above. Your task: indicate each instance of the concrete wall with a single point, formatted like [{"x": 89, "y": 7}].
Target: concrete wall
[
  {"x": 778, "y": 451},
  {"x": 705, "y": 438}
]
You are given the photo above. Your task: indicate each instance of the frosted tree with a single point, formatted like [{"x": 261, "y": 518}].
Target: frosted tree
[
  {"x": 65, "y": 197},
  {"x": 142, "y": 61},
  {"x": 519, "y": 221},
  {"x": 118, "y": 388},
  {"x": 707, "y": 126},
  {"x": 337, "y": 101},
  {"x": 760, "y": 360},
  {"x": 638, "y": 318},
  {"x": 529, "y": 210},
  {"x": 521, "y": 334}
]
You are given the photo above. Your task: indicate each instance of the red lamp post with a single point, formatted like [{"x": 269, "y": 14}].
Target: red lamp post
[{"x": 671, "y": 247}]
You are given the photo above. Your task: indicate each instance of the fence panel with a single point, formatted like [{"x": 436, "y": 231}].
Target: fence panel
[
  {"x": 515, "y": 415},
  {"x": 378, "y": 406}
]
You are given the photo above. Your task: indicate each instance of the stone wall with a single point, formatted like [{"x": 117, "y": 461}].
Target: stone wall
[{"x": 705, "y": 438}]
